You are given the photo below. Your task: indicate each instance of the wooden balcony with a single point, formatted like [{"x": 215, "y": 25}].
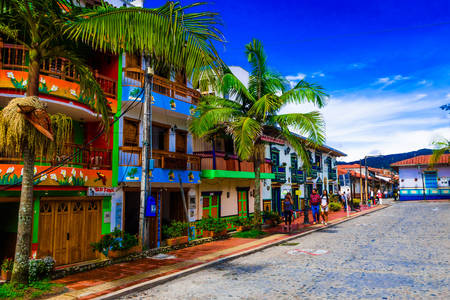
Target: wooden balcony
[
  {"x": 76, "y": 155},
  {"x": 280, "y": 173},
  {"x": 135, "y": 77},
  {"x": 297, "y": 176},
  {"x": 227, "y": 162},
  {"x": 15, "y": 57},
  {"x": 132, "y": 156}
]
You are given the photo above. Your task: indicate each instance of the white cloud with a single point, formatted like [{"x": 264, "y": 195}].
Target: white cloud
[
  {"x": 385, "y": 81},
  {"x": 425, "y": 82},
  {"x": 447, "y": 96},
  {"x": 357, "y": 66},
  {"x": 386, "y": 123},
  {"x": 294, "y": 79},
  {"x": 317, "y": 74}
]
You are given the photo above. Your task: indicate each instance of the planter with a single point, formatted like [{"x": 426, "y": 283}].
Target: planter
[
  {"x": 177, "y": 240},
  {"x": 120, "y": 253},
  {"x": 208, "y": 233},
  {"x": 6, "y": 275}
]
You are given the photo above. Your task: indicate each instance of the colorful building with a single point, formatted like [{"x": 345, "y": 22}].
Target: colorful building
[
  {"x": 72, "y": 204},
  {"x": 418, "y": 180}
]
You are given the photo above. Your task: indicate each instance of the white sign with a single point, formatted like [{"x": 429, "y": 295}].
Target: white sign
[{"x": 101, "y": 191}]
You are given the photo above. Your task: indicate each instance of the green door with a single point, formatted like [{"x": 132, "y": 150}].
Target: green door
[
  {"x": 242, "y": 203},
  {"x": 211, "y": 206}
]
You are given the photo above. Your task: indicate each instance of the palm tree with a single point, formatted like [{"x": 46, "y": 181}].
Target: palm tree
[
  {"x": 50, "y": 29},
  {"x": 442, "y": 146},
  {"x": 26, "y": 128},
  {"x": 256, "y": 108}
]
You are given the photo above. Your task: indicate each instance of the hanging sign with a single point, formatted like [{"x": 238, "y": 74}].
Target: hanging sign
[
  {"x": 100, "y": 191},
  {"x": 150, "y": 209}
]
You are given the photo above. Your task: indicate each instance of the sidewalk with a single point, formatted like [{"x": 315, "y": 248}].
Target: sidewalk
[{"x": 150, "y": 271}]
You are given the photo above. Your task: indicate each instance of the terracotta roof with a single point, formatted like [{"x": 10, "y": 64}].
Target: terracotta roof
[{"x": 422, "y": 160}]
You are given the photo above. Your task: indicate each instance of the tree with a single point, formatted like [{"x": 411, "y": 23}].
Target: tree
[
  {"x": 253, "y": 109},
  {"x": 49, "y": 29},
  {"x": 26, "y": 128},
  {"x": 441, "y": 146}
]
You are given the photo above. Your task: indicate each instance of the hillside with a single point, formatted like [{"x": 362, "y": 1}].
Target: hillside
[{"x": 385, "y": 161}]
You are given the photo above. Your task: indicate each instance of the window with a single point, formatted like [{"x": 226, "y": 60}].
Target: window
[
  {"x": 181, "y": 141},
  {"x": 430, "y": 180},
  {"x": 160, "y": 137},
  {"x": 318, "y": 159},
  {"x": 294, "y": 161},
  {"x": 130, "y": 132},
  {"x": 275, "y": 157}
]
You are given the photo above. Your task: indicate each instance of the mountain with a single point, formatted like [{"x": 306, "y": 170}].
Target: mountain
[{"x": 384, "y": 161}]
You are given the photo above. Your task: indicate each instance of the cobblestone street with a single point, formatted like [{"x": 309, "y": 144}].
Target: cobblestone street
[{"x": 401, "y": 252}]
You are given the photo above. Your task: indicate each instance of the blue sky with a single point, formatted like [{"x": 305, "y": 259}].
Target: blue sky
[{"x": 385, "y": 64}]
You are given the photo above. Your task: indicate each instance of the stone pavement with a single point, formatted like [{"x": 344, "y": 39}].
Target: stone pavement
[{"x": 107, "y": 280}]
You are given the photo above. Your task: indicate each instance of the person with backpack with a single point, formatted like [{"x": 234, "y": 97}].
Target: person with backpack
[
  {"x": 288, "y": 211},
  {"x": 315, "y": 205},
  {"x": 324, "y": 207}
]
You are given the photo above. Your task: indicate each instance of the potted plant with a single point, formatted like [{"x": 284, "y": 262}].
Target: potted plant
[
  {"x": 177, "y": 233},
  {"x": 213, "y": 227},
  {"x": 116, "y": 244},
  {"x": 7, "y": 267},
  {"x": 271, "y": 218},
  {"x": 243, "y": 224}
]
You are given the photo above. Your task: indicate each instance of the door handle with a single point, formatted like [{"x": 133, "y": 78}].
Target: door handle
[{"x": 68, "y": 236}]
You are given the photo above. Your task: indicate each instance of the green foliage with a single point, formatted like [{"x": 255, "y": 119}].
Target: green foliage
[
  {"x": 116, "y": 240},
  {"x": 40, "y": 269},
  {"x": 272, "y": 216},
  {"x": 244, "y": 222},
  {"x": 7, "y": 264},
  {"x": 335, "y": 206},
  {"x": 213, "y": 224},
  {"x": 176, "y": 229},
  {"x": 441, "y": 147},
  {"x": 33, "y": 290},
  {"x": 356, "y": 202},
  {"x": 251, "y": 234},
  {"x": 334, "y": 198}
]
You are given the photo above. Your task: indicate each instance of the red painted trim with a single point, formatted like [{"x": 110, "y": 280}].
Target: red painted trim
[{"x": 52, "y": 188}]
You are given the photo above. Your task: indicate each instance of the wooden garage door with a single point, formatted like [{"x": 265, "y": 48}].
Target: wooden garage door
[{"x": 67, "y": 228}]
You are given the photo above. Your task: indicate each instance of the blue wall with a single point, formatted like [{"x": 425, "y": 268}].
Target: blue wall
[
  {"x": 430, "y": 194},
  {"x": 133, "y": 174}
]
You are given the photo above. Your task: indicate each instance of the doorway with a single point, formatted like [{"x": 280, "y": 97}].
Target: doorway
[
  {"x": 276, "y": 199},
  {"x": 242, "y": 202}
]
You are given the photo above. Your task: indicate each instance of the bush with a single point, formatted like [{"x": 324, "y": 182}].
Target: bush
[
  {"x": 39, "y": 269},
  {"x": 7, "y": 264},
  {"x": 213, "y": 224},
  {"x": 356, "y": 202},
  {"x": 335, "y": 198},
  {"x": 244, "y": 222},
  {"x": 176, "y": 229},
  {"x": 252, "y": 234},
  {"x": 272, "y": 216},
  {"x": 335, "y": 206},
  {"x": 116, "y": 240}
]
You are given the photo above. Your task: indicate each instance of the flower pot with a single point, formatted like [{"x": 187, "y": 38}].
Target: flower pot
[
  {"x": 177, "y": 240},
  {"x": 6, "y": 275},
  {"x": 121, "y": 253}
]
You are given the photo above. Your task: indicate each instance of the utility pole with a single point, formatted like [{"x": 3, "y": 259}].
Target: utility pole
[
  {"x": 365, "y": 181},
  {"x": 147, "y": 158},
  {"x": 360, "y": 184}
]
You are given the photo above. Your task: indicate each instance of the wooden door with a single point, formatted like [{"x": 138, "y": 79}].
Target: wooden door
[
  {"x": 61, "y": 233},
  {"x": 242, "y": 203},
  {"x": 67, "y": 229},
  {"x": 93, "y": 223},
  {"x": 181, "y": 141},
  {"x": 211, "y": 206}
]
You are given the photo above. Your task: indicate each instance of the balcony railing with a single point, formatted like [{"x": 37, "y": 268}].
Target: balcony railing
[
  {"x": 297, "y": 176},
  {"x": 135, "y": 77},
  {"x": 332, "y": 175},
  {"x": 132, "y": 156},
  {"x": 15, "y": 57},
  {"x": 280, "y": 174},
  {"x": 227, "y": 162},
  {"x": 73, "y": 155},
  {"x": 312, "y": 173}
]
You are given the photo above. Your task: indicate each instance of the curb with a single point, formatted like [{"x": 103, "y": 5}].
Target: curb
[{"x": 161, "y": 280}]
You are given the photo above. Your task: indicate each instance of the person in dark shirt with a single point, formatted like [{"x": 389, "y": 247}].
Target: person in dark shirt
[{"x": 288, "y": 211}]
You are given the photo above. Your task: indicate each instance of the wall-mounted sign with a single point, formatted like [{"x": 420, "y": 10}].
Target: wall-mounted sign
[
  {"x": 101, "y": 191},
  {"x": 107, "y": 217}
]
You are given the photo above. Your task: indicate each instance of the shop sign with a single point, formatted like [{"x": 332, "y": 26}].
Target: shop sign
[{"x": 100, "y": 191}]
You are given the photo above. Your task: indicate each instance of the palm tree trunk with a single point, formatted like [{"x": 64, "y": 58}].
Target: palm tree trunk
[
  {"x": 24, "y": 230},
  {"x": 33, "y": 74},
  {"x": 257, "y": 193}
]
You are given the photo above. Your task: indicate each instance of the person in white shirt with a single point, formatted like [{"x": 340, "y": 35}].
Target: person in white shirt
[{"x": 324, "y": 207}]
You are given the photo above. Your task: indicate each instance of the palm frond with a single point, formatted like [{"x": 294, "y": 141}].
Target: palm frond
[
  {"x": 264, "y": 107},
  {"x": 246, "y": 132},
  {"x": 299, "y": 147},
  {"x": 441, "y": 146},
  {"x": 310, "y": 125},
  {"x": 305, "y": 92},
  {"x": 232, "y": 86},
  {"x": 258, "y": 60}
]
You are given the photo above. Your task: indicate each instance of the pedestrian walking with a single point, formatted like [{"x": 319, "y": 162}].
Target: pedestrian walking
[
  {"x": 379, "y": 196},
  {"x": 344, "y": 200},
  {"x": 288, "y": 211},
  {"x": 315, "y": 206},
  {"x": 324, "y": 207}
]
